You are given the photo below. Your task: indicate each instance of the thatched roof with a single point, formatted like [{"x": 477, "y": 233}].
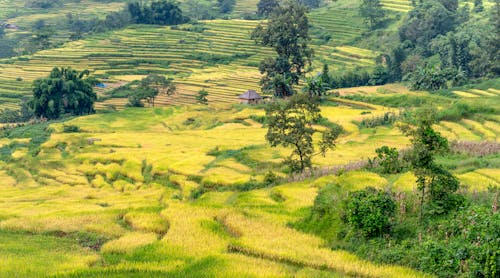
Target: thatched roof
[{"x": 250, "y": 94}]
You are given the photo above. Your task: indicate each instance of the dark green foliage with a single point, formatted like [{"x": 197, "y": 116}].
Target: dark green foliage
[
  {"x": 15, "y": 116},
  {"x": 288, "y": 33},
  {"x": 462, "y": 243},
  {"x": 43, "y": 4},
  {"x": 372, "y": 11},
  {"x": 315, "y": 86},
  {"x": 37, "y": 133},
  {"x": 369, "y": 211},
  {"x": 431, "y": 78},
  {"x": 266, "y": 7},
  {"x": 202, "y": 97},
  {"x": 226, "y": 6},
  {"x": 148, "y": 89},
  {"x": 163, "y": 12},
  {"x": 437, "y": 186},
  {"x": 41, "y": 36},
  {"x": 478, "y": 6},
  {"x": 65, "y": 91},
  {"x": 71, "y": 128},
  {"x": 277, "y": 196},
  {"x": 425, "y": 22},
  {"x": 388, "y": 159},
  {"x": 442, "y": 196},
  {"x": 290, "y": 125},
  {"x": 311, "y": 3},
  {"x": 271, "y": 178}
]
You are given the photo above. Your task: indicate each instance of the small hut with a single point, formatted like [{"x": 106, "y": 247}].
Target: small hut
[
  {"x": 11, "y": 26},
  {"x": 250, "y": 97}
]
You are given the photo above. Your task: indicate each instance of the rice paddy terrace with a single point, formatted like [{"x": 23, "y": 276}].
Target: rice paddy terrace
[
  {"x": 216, "y": 55},
  {"x": 122, "y": 195}
]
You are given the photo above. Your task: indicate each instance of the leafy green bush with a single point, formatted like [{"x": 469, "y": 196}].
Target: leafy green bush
[
  {"x": 388, "y": 159},
  {"x": 369, "y": 211},
  {"x": 71, "y": 128}
]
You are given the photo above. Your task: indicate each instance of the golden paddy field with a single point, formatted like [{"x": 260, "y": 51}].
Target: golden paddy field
[{"x": 114, "y": 198}]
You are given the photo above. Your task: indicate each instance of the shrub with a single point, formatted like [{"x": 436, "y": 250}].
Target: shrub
[
  {"x": 388, "y": 159},
  {"x": 71, "y": 128},
  {"x": 271, "y": 178},
  {"x": 369, "y": 211}
]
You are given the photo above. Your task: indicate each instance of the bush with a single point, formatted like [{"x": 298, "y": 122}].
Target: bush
[
  {"x": 70, "y": 128},
  {"x": 369, "y": 211},
  {"x": 388, "y": 159},
  {"x": 271, "y": 178}
]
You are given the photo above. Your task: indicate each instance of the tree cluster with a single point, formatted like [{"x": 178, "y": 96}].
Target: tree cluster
[
  {"x": 442, "y": 45},
  {"x": 161, "y": 12},
  {"x": 65, "y": 91},
  {"x": 149, "y": 88},
  {"x": 226, "y": 6}
]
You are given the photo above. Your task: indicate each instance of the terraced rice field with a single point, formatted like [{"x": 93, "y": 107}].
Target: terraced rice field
[
  {"x": 222, "y": 59},
  {"x": 397, "y": 5},
  {"x": 332, "y": 20},
  {"x": 243, "y": 7},
  {"x": 491, "y": 92},
  {"x": 121, "y": 205}
]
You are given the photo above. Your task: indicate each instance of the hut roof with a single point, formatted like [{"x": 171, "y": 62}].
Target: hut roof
[{"x": 250, "y": 94}]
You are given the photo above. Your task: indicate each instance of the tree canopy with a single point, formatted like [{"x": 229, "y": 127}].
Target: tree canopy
[
  {"x": 161, "y": 12},
  {"x": 372, "y": 11},
  {"x": 288, "y": 33},
  {"x": 436, "y": 185},
  {"x": 266, "y": 7},
  {"x": 290, "y": 123},
  {"x": 64, "y": 91}
]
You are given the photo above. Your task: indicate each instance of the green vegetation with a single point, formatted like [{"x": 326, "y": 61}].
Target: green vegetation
[
  {"x": 65, "y": 91},
  {"x": 290, "y": 124},
  {"x": 197, "y": 185},
  {"x": 287, "y": 31}
]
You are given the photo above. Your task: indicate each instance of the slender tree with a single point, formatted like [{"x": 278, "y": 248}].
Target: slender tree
[
  {"x": 288, "y": 33},
  {"x": 436, "y": 185},
  {"x": 372, "y": 11},
  {"x": 290, "y": 124}
]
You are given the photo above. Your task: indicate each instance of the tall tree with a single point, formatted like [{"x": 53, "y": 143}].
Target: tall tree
[
  {"x": 153, "y": 85},
  {"x": 290, "y": 124},
  {"x": 436, "y": 185},
  {"x": 372, "y": 11},
  {"x": 64, "y": 91},
  {"x": 226, "y": 6},
  {"x": 266, "y": 7},
  {"x": 288, "y": 33},
  {"x": 478, "y": 6},
  {"x": 162, "y": 12}
]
